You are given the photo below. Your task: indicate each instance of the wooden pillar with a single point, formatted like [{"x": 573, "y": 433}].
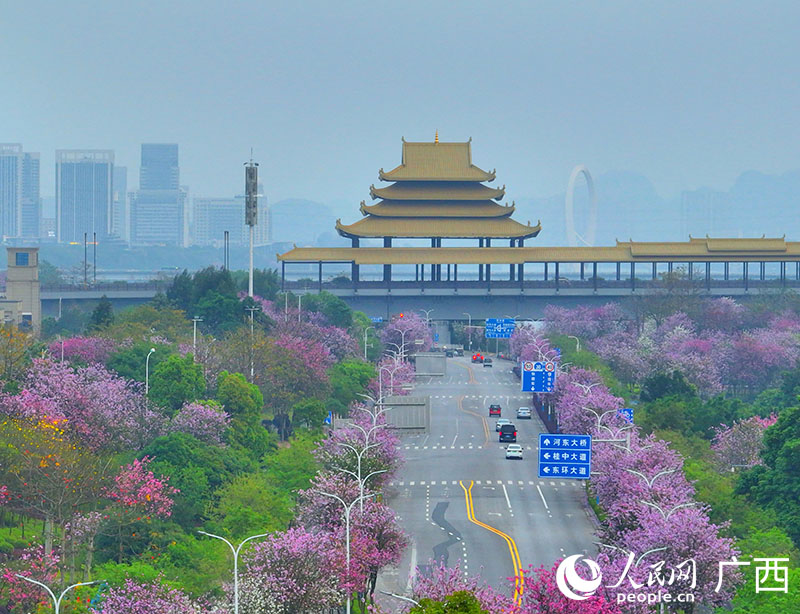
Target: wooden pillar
[
  {"x": 655, "y": 271},
  {"x": 387, "y": 268},
  {"x": 726, "y": 271},
  {"x": 594, "y": 275},
  {"x": 283, "y": 275},
  {"x": 557, "y": 277},
  {"x": 669, "y": 268},
  {"x": 488, "y": 266},
  {"x": 745, "y": 276},
  {"x": 762, "y": 270},
  {"x": 690, "y": 268},
  {"x": 783, "y": 274},
  {"x": 633, "y": 276},
  {"x": 708, "y": 276},
  {"x": 581, "y": 271},
  {"x": 320, "y": 275},
  {"x": 455, "y": 272},
  {"x": 546, "y": 265},
  {"x": 619, "y": 267}
]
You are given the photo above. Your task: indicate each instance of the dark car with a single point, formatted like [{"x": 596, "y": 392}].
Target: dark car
[
  {"x": 495, "y": 410},
  {"x": 487, "y": 362},
  {"x": 449, "y": 353},
  {"x": 508, "y": 433}
]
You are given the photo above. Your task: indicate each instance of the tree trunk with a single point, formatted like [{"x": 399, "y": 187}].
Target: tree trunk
[
  {"x": 48, "y": 536},
  {"x": 87, "y": 570}
]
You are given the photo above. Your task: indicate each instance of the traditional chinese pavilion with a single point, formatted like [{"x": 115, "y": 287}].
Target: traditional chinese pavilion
[{"x": 436, "y": 193}]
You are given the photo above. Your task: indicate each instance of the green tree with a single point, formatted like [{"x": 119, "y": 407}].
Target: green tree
[
  {"x": 144, "y": 321},
  {"x": 349, "y": 379},
  {"x": 130, "y": 362},
  {"x": 252, "y": 503},
  {"x": 49, "y": 275},
  {"x": 295, "y": 465},
  {"x": 309, "y": 413},
  {"x": 361, "y": 322},
  {"x": 244, "y": 402},
  {"x": 660, "y": 385},
  {"x": 220, "y": 312},
  {"x": 461, "y": 602},
  {"x": 180, "y": 292},
  {"x": 175, "y": 381},
  {"x": 102, "y": 316},
  {"x": 266, "y": 282},
  {"x": 331, "y": 306},
  {"x": 667, "y": 413}
]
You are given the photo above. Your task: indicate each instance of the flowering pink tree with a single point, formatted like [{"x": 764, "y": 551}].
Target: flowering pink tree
[
  {"x": 723, "y": 314},
  {"x": 541, "y": 595},
  {"x": 410, "y": 328},
  {"x": 760, "y": 354},
  {"x": 99, "y": 408},
  {"x": 20, "y": 596},
  {"x": 444, "y": 581},
  {"x": 156, "y": 598},
  {"x": 581, "y": 400},
  {"x": 392, "y": 376},
  {"x": 87, "y": 350},
  {"x": 300, "y": 570},
  {"x": 586, "y": 322},
  {"x": 138, "y": 488},
  {"x": 740, "y": 445},
  {"x": 316, "y": 356},
  {"x": 206, "y": 421},
  {"x": 622, "y": 351}
]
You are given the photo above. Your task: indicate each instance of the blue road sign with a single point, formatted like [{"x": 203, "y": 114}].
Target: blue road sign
[
  {"x": 565, "y": 456},
  {"x": 376, "y": 319},
  {"x": 499, "y": 328},
  {"x": 538, "y": 376},
  {"x": 329, "y": 419},
  {"x": 436, "y": 336},
  {"x": 557, "y": 351},
  {"x": 627, "y": 413}
]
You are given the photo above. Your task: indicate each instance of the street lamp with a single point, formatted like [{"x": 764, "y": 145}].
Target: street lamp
[
  {"x": 427, "y": 313},
  {"x": 56, "y": 601},
  {"x": 195, "y": 320},
  {"x": 347, "y": 510},
  {"x": 365, "y": 340},
  {"x": 396, "y": 596},
  {"x": 252, "y": 332},
  {"x": 469, "y": 329},
  {"x": 577, "y": 342},
  {"x": 235, "y": 552},
  {"x": 147, "y": 371}
]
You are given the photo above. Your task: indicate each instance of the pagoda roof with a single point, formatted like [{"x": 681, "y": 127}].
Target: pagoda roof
[
  {"x": 455, "y": 228},
  {"x": 433, "y": 190},
  {"x": 436, "y": 209},
  {"x": 436, "y": 162}
]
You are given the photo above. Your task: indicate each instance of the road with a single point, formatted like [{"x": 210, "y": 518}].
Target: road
[{"x": 462, "y": 502}]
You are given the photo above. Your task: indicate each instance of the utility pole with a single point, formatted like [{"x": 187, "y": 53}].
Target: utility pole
[
  {"x": 251, "y": 210},
  {"x": 365, "y": 341},
  {"x": 94, "y": 257},
  {"x": 195, "y": 320},
  {"x": 252, "y": 333}
]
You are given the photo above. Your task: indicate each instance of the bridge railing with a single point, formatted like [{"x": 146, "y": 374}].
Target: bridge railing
[{"x": 108, "y": 286}]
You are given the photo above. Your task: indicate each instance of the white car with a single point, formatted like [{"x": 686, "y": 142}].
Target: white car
[
  {"x": 524, "y": 413},
  {"x": 514, "y": 450}
]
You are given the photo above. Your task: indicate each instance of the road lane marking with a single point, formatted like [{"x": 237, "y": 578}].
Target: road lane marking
[
  {"x": 508, "y": 503},
  {"x": 413, "y": 570},
  {"x": 482, "y": 419},
  {"x": 512, "y": 546},
  {"x": 541, "y": 494}
]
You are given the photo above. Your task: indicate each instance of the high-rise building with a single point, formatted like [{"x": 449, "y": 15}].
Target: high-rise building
[
  {"x": 158, "y": 208},
  {"x": 159, "y": 169},
  {"x": 213, "y": 216},
  {"x": 20, "y": 207},
  {"x": 119, "y": 204},
  {"x": 84, "y": 193}
]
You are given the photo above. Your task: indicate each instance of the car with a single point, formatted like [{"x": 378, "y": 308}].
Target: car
[
  {"x": 500, "y": 422},
  {"x": 514, "y": 450},
  {"x": 495, "y": 410},
  {"x": 487, "y": 362},
  {"x": 449, "y": 353},
  {"x": 524, "y": 413},
  {"x": 508, "y": 432},
  {"x": 458, "y": 352},
  {"x": 477, "y": 358}
]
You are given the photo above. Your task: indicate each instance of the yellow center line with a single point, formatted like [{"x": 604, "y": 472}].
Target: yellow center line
[
  {"x": 512, "y": 546},
  {"x": 482, "y": 419}
]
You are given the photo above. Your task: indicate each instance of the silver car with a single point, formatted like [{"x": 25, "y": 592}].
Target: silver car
[
  {"x": 500, "y": 422},
  {"x": 524, "y": 413}
]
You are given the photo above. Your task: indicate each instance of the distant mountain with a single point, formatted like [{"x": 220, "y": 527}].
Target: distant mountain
[{"x": 300, "y": 221}]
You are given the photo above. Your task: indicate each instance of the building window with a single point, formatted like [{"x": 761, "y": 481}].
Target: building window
[{"x": 22, "y": 258}]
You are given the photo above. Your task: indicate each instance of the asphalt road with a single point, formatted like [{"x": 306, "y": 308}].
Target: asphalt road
[{"x": 461, "y": 501}]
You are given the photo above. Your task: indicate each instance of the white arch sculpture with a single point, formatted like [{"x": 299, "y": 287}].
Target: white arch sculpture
[{"x": 572, "y": 235}]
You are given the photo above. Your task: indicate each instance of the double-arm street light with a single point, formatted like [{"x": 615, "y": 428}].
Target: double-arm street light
[
  {"x": 427, "y": 313},
  {"x": 235, "y": 552},
  {"x": 147, "y": 371},
  {"x": 56, "y": 601}
]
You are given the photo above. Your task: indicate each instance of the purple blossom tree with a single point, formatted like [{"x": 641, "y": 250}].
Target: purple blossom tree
[
  {"x": 87, "y": 350},
  {"x": 156, "y": 598},
  {"x": 409, "y": 329},
  {"x": 740, "y": 445},
  {"x": 206, "y": 421}
]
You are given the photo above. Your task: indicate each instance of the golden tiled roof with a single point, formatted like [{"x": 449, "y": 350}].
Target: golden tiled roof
[
  {"x": 694, "y": 250},
  {"x": 374, "y": 226},
  {"x": 434, "y": 190},
  {"x": 436, "y": 162},
  {"x": 439, "y": 208}
]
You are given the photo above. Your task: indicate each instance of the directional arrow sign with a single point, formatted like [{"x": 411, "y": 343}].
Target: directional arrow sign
[{"x": 565, "y": 456}]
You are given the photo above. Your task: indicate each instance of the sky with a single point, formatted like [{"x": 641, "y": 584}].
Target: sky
[{"x": 689, "y": 94}]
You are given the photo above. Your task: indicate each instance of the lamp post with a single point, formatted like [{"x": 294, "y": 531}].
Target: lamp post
[
  {"x": 577, "y": 342},
  {"x": 396, "y": 596},
  {"x": 347, "y": 510},
  {"x": 147, "y": 371},
  {"x": 252, "y": 333},
  {"x": 195, "y": 320},
  {"x": 299, "y": 305},
  {"x": 365, "y": 341},
  {"x": 235, "y": 552},
  {"x": 56, "y": 601},
  {"x": 427, "y": 313},
  {"x": 469, "y": 329}
]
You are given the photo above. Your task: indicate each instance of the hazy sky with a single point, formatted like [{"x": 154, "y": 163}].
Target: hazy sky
[{"x": 688, "y": 93}]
